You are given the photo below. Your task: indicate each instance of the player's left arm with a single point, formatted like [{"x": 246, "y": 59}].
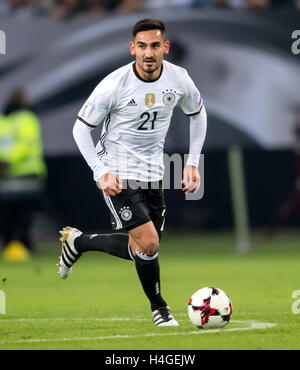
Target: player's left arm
[{"x": 191, "y": 177}]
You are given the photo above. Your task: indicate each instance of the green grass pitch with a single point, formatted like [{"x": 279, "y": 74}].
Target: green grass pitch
[{"x": 102, "y": 305}]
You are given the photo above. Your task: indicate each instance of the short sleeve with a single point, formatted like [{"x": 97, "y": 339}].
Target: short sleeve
[
  {"x": 98, "y": 105},
  {"x": 191, "y": 102}
]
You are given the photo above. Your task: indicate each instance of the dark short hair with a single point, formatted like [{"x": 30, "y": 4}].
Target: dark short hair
[{"x": 147, "y": 25}]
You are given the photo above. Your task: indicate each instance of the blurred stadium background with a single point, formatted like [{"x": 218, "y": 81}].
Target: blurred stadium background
[{"x": 238, "y": 52}]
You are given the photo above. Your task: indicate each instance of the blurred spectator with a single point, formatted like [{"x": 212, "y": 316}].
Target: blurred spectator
[
  {"x": 67, "y": 8},
  {"x": 14, "y": 4},
  {"x": 202, "y": 3},
  {"x": 259, "y": 4},
  {"x": 224, "y": 4},
  {"x": 19, "y": 8},
  {"x": 156, "y": 4},
  {"x": 288, "y": 4},
  {"x": 22, "y": 173},
  {"x": 227, "y": 4},
  {"x": 129, "y": 6},
  {"x": 44, "y": 7},
  {"x": 238, "y": 3}
]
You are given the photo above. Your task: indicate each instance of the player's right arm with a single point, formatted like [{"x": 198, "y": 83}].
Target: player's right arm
[
  {"x": 98, "y": 105},
  {"x": 110, "y": 183}
]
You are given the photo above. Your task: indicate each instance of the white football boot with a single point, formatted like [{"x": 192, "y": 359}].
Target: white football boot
[
  {"x": 163, "y": 317},
  {"x": 69, "y": 254}
]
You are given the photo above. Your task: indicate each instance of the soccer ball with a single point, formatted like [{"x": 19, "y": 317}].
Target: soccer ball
[{"x": 209, "y": 308}]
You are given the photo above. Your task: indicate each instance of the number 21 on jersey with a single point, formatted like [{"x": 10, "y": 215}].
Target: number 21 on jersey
[{"x": 146, "y": 116}]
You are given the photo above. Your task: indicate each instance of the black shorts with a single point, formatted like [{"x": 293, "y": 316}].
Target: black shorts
[{"x": 137, "y": 203}]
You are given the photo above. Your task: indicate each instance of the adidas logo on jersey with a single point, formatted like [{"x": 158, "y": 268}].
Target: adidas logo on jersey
[{"x": 132, "y": 103}]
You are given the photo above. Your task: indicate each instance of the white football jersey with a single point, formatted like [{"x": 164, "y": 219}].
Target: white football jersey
[{"x": 137, "y": 115}]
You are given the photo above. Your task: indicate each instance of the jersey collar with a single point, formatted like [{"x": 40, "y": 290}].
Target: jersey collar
[{"x": 147, "y": 81}]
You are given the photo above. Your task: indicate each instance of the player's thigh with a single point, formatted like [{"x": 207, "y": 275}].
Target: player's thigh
[
  {"x": 144, "y": 238},
  {"x": 128, "y": 209},
  {"x": 157, "y": 209},
  {"x": 158, "y": 217}
]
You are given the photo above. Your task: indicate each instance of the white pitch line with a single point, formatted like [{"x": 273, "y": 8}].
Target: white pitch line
[
  {"x": 252, "y": 325},
  {"x": 74, "y": 319},
  {"x": 137, "y": 318}
]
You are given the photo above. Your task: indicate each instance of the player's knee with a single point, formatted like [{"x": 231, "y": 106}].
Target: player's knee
[
  {"x": 146, "y": 242},
  {"x": 151, "y": 247}
]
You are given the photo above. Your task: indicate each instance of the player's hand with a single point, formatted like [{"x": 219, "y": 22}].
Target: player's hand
[
  {"x": 111, "y": 184},
  {"x": 191, "y": 179}
]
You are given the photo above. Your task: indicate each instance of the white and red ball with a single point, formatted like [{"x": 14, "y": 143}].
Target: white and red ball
[{"x": 210, "y": 308}]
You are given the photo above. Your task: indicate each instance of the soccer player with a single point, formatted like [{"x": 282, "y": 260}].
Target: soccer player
[{"x": 136, "y": 103}]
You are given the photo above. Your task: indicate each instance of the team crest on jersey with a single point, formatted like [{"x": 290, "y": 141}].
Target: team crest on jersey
[
  {"x": 126, "y": 213},
  {"x": 150, "y": 100},
  {"x": 169, "y": 97}
]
